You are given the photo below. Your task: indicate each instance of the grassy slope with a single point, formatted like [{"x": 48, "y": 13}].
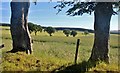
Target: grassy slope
[{"x": 52, "y": 52}]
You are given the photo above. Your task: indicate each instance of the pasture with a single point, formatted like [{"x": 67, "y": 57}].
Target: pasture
[{"x": 51, "y": 52}]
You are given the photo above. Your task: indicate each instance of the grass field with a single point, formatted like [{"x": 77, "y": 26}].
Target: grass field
[{"x": 53, "y": 52}]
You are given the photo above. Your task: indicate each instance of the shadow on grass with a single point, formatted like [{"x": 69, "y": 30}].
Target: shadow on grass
[{"x": 75, "y": 68}]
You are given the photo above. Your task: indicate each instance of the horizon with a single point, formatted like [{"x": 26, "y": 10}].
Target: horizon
[
  {"x": 66, "y": 27},
  {"x": 45, "y": 15}
]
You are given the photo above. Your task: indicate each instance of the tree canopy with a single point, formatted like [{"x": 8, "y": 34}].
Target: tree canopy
[
  {"x": 66, "y": 32},
  {"x": 50, "y": 30},
  {"x": 34, "y": 28},
  {"x": 79, "y": 8},
  {"x": 73, "y": 33}
]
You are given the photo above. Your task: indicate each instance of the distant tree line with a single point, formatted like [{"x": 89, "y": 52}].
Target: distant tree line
[
  {"x": 67, "y": 32},
  {"x": 73, "y": 33},
  {"x": 86, "y": 32},
  {"x": 50, "y": 30},
  {"x": 75, "y": 29},
  {"x": 37, "y": 28},
  {"x": 4, "y": 24},
  {"x": 34, "y": 28}
]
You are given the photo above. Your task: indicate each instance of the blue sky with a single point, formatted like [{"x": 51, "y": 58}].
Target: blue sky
[{"x": 45, "y": 15}]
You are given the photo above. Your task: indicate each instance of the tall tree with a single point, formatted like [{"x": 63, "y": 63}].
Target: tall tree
[
  {"x": 102, "y": 16},
  {"x": 19, "y": 27},
  {"x": 103, "y": 13}
]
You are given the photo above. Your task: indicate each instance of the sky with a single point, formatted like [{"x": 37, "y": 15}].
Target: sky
[{"x": 45, "y": 15}]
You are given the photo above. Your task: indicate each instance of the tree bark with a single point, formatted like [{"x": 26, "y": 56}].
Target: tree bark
[
  {"x": 35, "y": 33},
  {"x": 50, "y": 34},
  {"x": 102, "y": 16},
  {"x": 19, "y": 27}
]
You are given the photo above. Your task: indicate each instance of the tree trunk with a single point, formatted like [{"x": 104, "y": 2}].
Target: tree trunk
[
  {"x": 67, "y": 35},
  {"x": 102, "y": 14},
  {"x": 50, "y": 34},
  {"x": 19, "y": 27},
  {"x": 35, "y": 33}
]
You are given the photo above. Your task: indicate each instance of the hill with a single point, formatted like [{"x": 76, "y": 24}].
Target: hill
[
  {"x": 115, "y": 32},
  {"x": 77, "y": 29},
  {"x": 5, "y": 24}
]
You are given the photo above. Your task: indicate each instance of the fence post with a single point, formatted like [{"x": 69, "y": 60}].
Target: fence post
[{"x": 77, "y": 46}]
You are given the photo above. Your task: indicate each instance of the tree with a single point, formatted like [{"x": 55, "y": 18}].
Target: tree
[
  {"x": 86, "y": 32},
  {"x": 66, "y": 32},
  {"x": 19, "y": 28},
  {"x": 73, "y": 33},
  {"x": 31, "y": 27},
  {"x": 37, "y": 28},
  {"x": 50, "y": 30},
  {"x": 34, "y": 28},
  {"x": 40, "y": 28},
  {"x": 102, "y": 14}
]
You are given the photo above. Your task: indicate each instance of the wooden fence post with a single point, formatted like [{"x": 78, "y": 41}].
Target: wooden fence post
[{"x": 77, "y": 46}]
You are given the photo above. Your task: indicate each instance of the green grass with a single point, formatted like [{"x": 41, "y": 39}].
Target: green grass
[{"x": 54, "y": 52}]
